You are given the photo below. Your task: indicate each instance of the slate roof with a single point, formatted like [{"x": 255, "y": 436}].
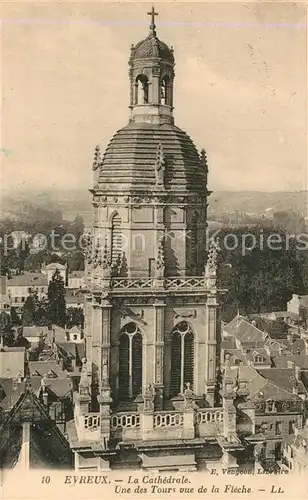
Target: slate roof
[
  {"x": 28, "y": 279},
  {"x": 12, "y": 362},
  {"x": 228, "y": 343},
  {"x": 151, "y": 47},
  {"x": 282, "y": 361},
  {"x": 258, "y": 384},
  {"x": 283, "y": 377},
  {"x": 244, "y": 331},
  {"x": 259, "y": 351},
  {"x": 53, "y": 266},
  {"x": 129, "y": 159},
  {"x": 41, "y": 368}
]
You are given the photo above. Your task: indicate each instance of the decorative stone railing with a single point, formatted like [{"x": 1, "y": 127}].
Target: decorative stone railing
[
  {"x": 92, "y": 421},
  {"x": 135, "y": 283},
  {"x": 172, "y": 283},
  {"x": 168, "y": 419},
  {"x": 209, "y": 415},
  {"x": 125, "y": 420},
  {"x": 209, "y": 422},
  {"x": 179, "y": 283}
]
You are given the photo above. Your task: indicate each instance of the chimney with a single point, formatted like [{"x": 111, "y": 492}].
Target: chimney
[
  {"x": 295, "y": 390},
  {"x": 297, "y": 373}
]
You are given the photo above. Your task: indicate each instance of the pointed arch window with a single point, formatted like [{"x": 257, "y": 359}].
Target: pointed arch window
[
  {"x": 130, "y": 362},
  {"x": 141, "y": 90},
  {"x": 182, "y": 358},
  {"x": 116, "y": 243}
]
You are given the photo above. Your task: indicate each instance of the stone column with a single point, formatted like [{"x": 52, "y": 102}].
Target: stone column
[
  {"x": 88, "y": 334},
  {"x": 147, "y": 414},
  {"x": 211, "y": 349},
  {"x": 105, "y": 349},
  {"x": 159, "y": 322},
  {"x": 155, "y": 85},
  {"x": 229, "y": 411},
  {"x": 188, "y": 415},
  {"x": 96, "y": 343}
]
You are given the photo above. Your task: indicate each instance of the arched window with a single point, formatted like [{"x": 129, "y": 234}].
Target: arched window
[
  {"x": 130, "y": 362},
  {"x": 141, "y": 90},
  {"x": 116, "y": 243},
  {"x": 182, "y": 358},
  {"x": 164, "y": 90}
]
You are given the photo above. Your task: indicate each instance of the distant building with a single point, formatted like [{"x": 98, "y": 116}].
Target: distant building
[
  {"x": 74, "y": 299},
  {"x": 50, "y": 269},
  {"x": 5, "y": 301},
  {"x": 74, "y": 334},
  {"x": 295, "y": 452},
  {"x": 21, "y": 286},
  {"x": 76, "y": 279},
  {"x": 297, "y": 301}
]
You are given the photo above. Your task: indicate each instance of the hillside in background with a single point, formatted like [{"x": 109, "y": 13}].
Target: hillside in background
[{"x": 26, "y": 204}]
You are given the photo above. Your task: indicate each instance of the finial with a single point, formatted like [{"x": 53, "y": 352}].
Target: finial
[{"x": 152, "y": 25}]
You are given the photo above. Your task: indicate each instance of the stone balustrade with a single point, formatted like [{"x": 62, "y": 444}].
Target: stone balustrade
[
  {"x": 156, "y": 425},
  {"x": 209, "y": 421},
  {"x": 172, "y": 283},
  {"x": 125, "y": 420},
  {"x": 168, "y": 419}
]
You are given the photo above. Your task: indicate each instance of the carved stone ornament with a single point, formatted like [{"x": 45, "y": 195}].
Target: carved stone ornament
[
  {"x": 211, "y": 264},
  {"x": 97, "y": 158},
  {"x": 160, "y": 259},
  {"x": 156, "y": 71},
  {"x": 97, "y": 256},
  {"x": 160, "y": 166},
  {"x": 106, "y": 257},
  {"x": 88, "y": 247}
]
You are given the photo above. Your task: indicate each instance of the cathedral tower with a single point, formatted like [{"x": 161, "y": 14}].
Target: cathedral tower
[{"x": 150, "y": 319}]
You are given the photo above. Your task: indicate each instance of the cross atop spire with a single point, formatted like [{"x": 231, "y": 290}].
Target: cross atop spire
[{"x": 152, "y": 25}]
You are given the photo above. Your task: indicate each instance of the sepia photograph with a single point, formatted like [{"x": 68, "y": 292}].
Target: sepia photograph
[{"x": 154, "y": 246}]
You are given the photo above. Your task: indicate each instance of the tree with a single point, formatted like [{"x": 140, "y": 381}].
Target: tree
[
  {"x": 6, "y": 332},
  {"x": 15, "y": 320},
  {"x": 56, "y": 300},
  {"x": 28, "y": 311},
  {"x": 74, "y": 316}
]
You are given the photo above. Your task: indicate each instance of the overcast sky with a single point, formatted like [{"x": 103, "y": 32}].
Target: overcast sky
[{"x": 240, "y": 88}]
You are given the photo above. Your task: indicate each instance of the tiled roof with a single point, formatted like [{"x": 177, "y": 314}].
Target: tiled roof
[
  {"x": 244, "y": 331},
  {"x": 299, "y": 360},
  {"x": 283, "y": 377},
  {"x": 35, "y": 331},
  {"x": 151, "y": 47},
  {"x": 256, "y": 384},
  {"x": 129, "y": 159},
  {"x": 259, "y": 351},
  {"x": 41, "y": 368},
  {"x": 12, "y": 362},
  {"x": 53, "y": 266},
  {"x": 228, "y": 343},
  {"x": 28, "y": 279}
]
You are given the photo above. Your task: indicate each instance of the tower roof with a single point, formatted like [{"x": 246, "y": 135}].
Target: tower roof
[
  {"x": 129, "y": 160},
  {"x": 152, "y": 47}
]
